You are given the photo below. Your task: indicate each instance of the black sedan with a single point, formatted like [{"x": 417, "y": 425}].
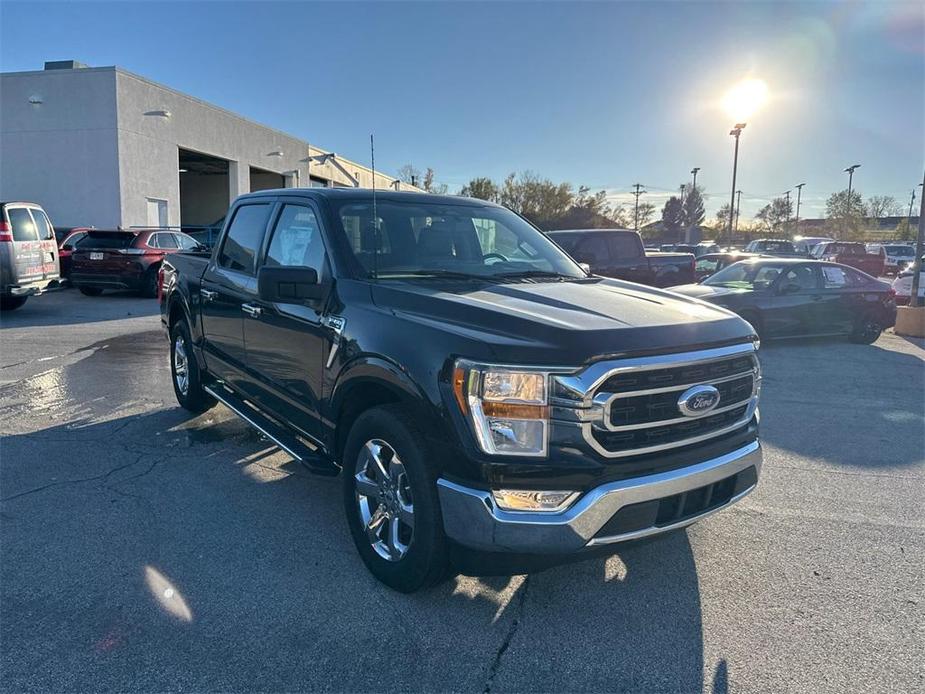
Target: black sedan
[{"x": 790, "y": 297}]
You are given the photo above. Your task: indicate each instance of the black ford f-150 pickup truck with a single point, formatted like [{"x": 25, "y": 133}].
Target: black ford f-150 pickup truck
[{"x": 475, "y": 387}]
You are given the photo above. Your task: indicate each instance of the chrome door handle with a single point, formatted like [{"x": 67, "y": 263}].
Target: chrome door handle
[
  {"x": 208, "y": 295},
  {"x": 251, "y": 310}
]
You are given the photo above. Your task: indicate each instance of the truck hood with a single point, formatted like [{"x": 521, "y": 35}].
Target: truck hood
[{"x": 563, "y": 322}]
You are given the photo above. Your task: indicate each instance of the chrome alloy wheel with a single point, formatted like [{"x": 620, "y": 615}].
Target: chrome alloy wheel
[
  {"x": 383, "y": 495},
  {"x": 181, "y": 365}
]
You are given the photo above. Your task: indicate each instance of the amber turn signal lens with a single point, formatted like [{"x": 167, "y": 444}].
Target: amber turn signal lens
[
  {"x": 514, "y": 410},
  {"x": 459, "y": 389}
]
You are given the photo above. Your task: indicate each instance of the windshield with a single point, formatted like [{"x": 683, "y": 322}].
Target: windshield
[
  {"x": 776, "y": 246},
  {"x": 106, "y": 239},
  {"x": 746, "y": 275},
  {"x": 903, "y": 251},
  {"x": 438, "y": 240}
]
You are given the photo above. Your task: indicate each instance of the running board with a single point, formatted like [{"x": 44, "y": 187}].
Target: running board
[{"x": 312, "y": 459}]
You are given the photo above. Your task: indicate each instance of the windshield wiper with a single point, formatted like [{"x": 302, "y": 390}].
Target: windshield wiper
[{"x": 534, "y": 273}]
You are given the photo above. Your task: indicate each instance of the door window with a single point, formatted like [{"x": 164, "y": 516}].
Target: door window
[
  {"x": 297, "y": 239},
  {"x": 186, "y": 243},
  {"x": 835, "y": 277},
  {"x": 802, "y": 277},
  {"x": 592, "y": 249},
  {"x": 625, "y": 246},
  {"x": 707, "y": 265},
  {"x": 42, "y": 226},
  {"x": 163, "y": 241},
  {"x": 244, "y": 235},
  {"x": 22, "y": 224}
]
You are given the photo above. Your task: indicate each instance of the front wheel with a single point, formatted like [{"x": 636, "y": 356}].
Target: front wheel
[
  {"x": 184, "y": 369},
  {"x": 390, "y": 497},
  {"x": 11, "y": 303},
  {"x": 866, "y": 331}
]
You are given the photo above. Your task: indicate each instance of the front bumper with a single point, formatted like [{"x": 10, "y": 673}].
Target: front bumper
[{"x": 614, "y": 512}]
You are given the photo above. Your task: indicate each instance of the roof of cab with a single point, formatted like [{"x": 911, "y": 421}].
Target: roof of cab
[{"x": 366, "y": 194}]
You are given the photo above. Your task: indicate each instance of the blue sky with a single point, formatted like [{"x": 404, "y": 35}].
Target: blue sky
[{"x": 600, "y": 94}]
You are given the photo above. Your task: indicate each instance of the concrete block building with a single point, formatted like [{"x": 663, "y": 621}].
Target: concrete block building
[{"x": 107, "y": 148}]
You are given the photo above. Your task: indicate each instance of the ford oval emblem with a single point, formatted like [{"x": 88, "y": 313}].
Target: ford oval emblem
[{"x": 698, "y": 400}]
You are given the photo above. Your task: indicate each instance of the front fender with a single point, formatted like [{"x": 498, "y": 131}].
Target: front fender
[{"x": 378, "y": 370}]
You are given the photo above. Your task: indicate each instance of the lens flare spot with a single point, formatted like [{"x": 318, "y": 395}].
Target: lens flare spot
[
  {"x": 168, "y": 597},
  {"x": 744, "y": 99}
]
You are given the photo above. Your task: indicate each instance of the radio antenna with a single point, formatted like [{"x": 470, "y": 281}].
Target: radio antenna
[{"x": 372, "y": 156}]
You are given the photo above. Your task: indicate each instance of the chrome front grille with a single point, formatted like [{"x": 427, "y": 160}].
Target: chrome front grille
[{"x": 631, "y": 406}]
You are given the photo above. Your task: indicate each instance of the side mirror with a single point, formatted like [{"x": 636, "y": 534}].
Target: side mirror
[
  {"x": 284, "y": 284},
  {"x": 586, "y": 267}
]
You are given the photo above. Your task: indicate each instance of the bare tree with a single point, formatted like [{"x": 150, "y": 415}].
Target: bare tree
[
  {"x": 883, "y": 206},
  {"x": 410, "y": 175}
]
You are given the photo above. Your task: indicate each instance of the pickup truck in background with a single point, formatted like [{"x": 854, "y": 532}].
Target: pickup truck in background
[
  {"x": 620, "y": 254},
  {"x": 477, "y": 391},
  {"x": 852, "y": 254}
]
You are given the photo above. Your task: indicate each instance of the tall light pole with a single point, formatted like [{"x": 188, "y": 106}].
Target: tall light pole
[
  {"x": 850, "y": 172},
  {"x": 694, "y": 172},
  {"x": 799, "y": 188},
  {"x": 735, "y": 132},
  {"x": 738, "y": 209},
  {"x": 917, "y": 263}
]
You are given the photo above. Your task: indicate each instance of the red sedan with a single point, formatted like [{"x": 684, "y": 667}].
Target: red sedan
[{"x": 123, "y": 259}]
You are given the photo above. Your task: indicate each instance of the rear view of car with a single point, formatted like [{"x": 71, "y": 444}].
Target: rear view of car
[
  {"x": 28, "y": 253},
  {"x": 125, "y": 260}
]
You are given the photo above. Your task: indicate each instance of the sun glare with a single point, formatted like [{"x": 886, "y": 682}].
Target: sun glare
[{"x": 745, "y": 98}]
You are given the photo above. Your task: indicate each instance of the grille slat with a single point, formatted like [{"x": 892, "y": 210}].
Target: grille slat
[{"x": 678, "y": 375}]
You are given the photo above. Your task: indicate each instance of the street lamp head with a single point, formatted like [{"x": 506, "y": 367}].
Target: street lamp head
[
  {"x": 740, "y": 126},
  {"x": 695, "y": 169},
  {"x": 851, "y": 169}
]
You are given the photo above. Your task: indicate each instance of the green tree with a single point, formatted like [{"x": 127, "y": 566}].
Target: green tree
[
  {"x": 693, "y": 208},
  {"x": 775, "y": 215},
  {"x": 673, "y": 218},
  {"x": 845, "y": 215},
  {"x": 482, "y": 188}
]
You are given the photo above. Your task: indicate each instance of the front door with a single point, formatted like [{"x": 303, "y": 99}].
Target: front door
[
  {"x": 228, "y": 284},
  {"x": 794, "y": 302},
  {"x": 156, "y": 212},
  {"x": 287, "y": 343}
]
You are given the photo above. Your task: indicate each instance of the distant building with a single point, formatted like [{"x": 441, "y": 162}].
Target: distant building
[{"x": 104, "y": 147}]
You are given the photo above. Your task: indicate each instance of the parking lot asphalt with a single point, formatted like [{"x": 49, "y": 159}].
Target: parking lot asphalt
[{"x": 145, "y": 549}]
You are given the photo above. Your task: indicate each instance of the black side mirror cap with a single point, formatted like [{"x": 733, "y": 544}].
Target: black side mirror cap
[{"x": 284, "y": 284}]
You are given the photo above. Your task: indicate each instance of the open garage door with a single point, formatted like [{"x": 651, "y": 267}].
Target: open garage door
[
  {"x": 265, "y": 180},
  {"x": 204, "y": 188}
]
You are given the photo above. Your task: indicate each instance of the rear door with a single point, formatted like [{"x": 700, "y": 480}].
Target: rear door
[
  {"x": 287, "y": 343},
  {"x": 628, "y": 255},
  {"x": 51, "y": 268},
  {"x": 228, "y": 283},
  {"x": 27, "y": 259},
  {"x": 836, "y": 310}
]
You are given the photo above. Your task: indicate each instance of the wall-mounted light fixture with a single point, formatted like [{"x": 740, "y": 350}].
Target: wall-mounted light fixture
[
  {"x": 35, "y": 100},
  {"x": 275, "y": 153},
  {"x": 161, "y": 113}
]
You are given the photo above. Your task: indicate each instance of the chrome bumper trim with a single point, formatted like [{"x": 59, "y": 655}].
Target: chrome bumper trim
[{"x": 471, "y": 518}]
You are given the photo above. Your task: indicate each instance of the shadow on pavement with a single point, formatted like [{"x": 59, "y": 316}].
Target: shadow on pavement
[
  {"x": 851, "y": 405},
  {"x": 162, "y": 552}
]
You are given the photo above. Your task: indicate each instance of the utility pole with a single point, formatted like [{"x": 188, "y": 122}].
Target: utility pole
[
  {"x": 694, "y": 172},
  {"x": 683, "y": 188},
  {"x": 799, "y": 188},
  {"x": 911, "y": 203},
  {"x": 919, "y": 249},
  {"x": 637, "y": 193},
  {"x": 735, "y": 132},
  {"x": 787, "y": 198}
]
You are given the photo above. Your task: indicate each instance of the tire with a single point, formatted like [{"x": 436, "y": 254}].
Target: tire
[
  {"x": 149, "y": 284},
  {"x": 11, "y": 303},
  {"x": 407, "y": 558},
  {"x": 866, "y": 331},
  {"x": 189, "y": 391},
  {"x": 90, "y": 291}
]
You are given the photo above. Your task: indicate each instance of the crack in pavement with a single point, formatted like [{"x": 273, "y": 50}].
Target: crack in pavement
[
  {"x": 103, "y": 477},
  {"x": 511, "y": 632}
]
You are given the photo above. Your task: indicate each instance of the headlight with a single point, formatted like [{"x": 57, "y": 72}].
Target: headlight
[{"x": 507, "y": 407}]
